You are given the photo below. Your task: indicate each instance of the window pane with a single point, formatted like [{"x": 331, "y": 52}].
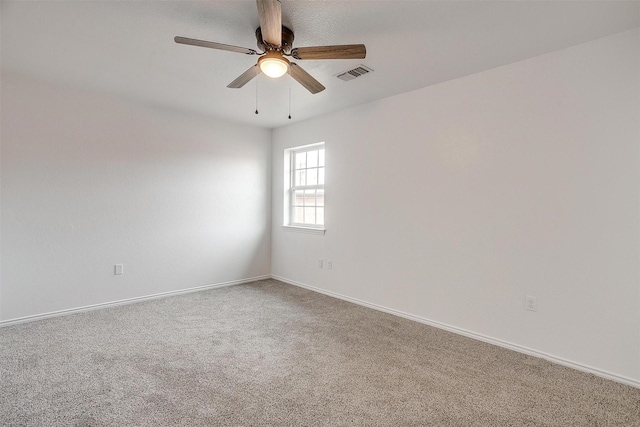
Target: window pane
[
  {"x": 320, "y": 216},
  {"x": 306, "y": 201},
  {"x": 312, "y": 159},
  {"x": 301, "y": 160},
  {"x": 310, "y": 197},
  {"x": 312, "y": 176},
  {"x": 309, "y": 215}
]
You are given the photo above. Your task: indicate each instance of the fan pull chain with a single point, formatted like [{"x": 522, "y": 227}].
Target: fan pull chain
[
  {"x": 257, "y": 96},
  {"x": 289, "y": 94}
]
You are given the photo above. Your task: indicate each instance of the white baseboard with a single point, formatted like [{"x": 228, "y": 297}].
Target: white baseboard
[
  {"x": 128, "y": 301},
  {"x": 515, "y": 347}
]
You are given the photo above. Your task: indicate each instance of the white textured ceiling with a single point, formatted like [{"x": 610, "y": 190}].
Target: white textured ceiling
[{"x": 126, "y": 48}]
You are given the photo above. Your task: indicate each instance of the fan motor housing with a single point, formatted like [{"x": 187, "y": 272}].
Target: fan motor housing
[{"x": 287, "y": 40}]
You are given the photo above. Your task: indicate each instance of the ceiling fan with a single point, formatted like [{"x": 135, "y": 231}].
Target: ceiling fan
[{"x": 275, "y": 41}]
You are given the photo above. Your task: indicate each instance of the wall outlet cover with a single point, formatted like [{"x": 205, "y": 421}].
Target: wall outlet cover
[{"x": 530, "y": 303}]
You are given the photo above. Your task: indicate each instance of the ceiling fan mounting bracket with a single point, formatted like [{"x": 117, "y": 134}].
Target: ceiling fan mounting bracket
[{"x": 287, "y": 41}]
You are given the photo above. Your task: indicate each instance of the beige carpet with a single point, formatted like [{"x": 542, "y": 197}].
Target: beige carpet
[{"x": 270, "y": 354}]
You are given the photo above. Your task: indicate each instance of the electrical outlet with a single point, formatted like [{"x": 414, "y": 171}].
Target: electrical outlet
[
  {"x": 329, "y": 264},
  {"x": 118, "y": 269},
  {"x": 530, "y": 303},
  {"x": 320, "y": 263}
]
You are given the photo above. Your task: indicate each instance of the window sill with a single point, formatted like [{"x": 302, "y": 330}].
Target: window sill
[{"x": 308, "y": 230}]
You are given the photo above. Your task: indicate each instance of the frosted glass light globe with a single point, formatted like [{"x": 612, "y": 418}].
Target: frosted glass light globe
[{"x": 273, "y": 65}]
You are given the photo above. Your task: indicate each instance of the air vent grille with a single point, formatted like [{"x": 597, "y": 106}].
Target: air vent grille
[{"x": 354, "y": 73}]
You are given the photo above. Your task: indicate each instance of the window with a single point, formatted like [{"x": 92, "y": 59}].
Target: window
[{"x": 306, "y": 186}]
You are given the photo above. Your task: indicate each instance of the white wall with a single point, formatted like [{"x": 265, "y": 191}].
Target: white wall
[
  {"x": 453, "y": 202},
  {"x": 89, "y": 181}
]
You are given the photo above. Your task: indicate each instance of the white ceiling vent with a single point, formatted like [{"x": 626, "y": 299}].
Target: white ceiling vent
[{"x": 354, "y": 73}]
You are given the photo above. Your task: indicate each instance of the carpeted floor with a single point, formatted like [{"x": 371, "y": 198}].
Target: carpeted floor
[{"x": 270, "y": 354}]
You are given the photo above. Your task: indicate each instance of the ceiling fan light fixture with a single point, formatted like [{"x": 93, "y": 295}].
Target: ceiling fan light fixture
[
  {"x": 273, "y": 64},
  {"x": 275, "y": 41}
]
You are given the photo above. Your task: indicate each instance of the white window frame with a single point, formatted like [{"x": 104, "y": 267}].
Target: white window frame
[{"x": 290, "y": 188}]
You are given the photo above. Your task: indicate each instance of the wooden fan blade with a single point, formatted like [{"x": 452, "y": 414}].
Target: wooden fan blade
[
  {"x": 214, "y": 45},
  {"x": 245, "y": 77},
  {"x": 270, "y": 12},
  {"x": 345, "y": 51},
  {"x": 305, "y": 79}
]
